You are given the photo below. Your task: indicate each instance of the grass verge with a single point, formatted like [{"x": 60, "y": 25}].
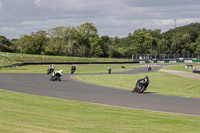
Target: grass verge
[
  {"x": 67, "y": 68},
  {"x": 178, "y": 67},
  {"x": 9, "y": 58},
  {"x": 160, "y": 83},
  {"x": 22, "y": 113}
]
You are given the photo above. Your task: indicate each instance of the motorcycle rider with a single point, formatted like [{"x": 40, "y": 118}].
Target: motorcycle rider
[
  {"x": 50, "y": 69},
  {"x": 73, "y": 69},
  {"x": 122, "y": 66},
  {"x": 52, "y": 66},
  {"x": 109, "y": 70},
  {"x": 149, "y": 68},
  {"x": 143, "y": 82},
  {"x": 56, "y": 75}
]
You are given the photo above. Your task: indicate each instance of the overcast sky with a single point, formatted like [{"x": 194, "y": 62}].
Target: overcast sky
[{"x": 111, "y": 17}]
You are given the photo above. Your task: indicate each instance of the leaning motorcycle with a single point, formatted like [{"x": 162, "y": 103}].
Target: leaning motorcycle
[
  {"x": 140, "y": 87},
  {"x": 73, "y": 69},
  {"x": 50, "y": 70},
  {"x": 55, "y": 77},
  {"x": 149, "y": 68}
]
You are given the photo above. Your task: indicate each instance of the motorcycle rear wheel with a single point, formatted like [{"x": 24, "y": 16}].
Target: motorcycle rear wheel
[{"x": 140, "y": 88}]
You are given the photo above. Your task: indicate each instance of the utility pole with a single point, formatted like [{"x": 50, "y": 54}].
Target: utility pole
[
  {"x": 174, "y": 23},
  {"x": 175, "y": 34}
]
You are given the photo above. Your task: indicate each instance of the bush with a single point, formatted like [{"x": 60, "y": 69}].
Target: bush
[
  {"x": 49, "y": 52},
  {"x": 5, "y": 48}
]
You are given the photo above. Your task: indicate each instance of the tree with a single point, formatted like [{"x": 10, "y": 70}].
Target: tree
[
  {"x": 87, "y": 32},
  {"x": 56, "y": 44},
  {"x": 25, "y": 44},
  {"x": 105, "y": 43},
  {"x": 143, "y": 41},
  {"x": 71, "y": 39},
  {"x": 96, "y": 48},
  {"x": 5, "y": 44},
  {"x": 197, "y": 44},
  {"x": 40, "y": 41},
  {"x": 163, "y": 47},
  {"x": 157, "y": 36},
  {"x": 4, "y": 41}
]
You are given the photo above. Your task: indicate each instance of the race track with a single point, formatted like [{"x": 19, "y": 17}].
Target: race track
[{"x": 39, "y": 84}]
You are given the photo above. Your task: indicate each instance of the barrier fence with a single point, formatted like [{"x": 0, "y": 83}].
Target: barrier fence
[
  {"x": 167, "y": 58},
  {"x": 167, "y": 61}
]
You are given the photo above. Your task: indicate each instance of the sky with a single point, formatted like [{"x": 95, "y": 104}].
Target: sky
[{"x": 111, "y": 17}]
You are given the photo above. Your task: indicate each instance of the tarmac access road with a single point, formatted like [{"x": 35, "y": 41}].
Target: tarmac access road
[{"x": 39, "y": 84}]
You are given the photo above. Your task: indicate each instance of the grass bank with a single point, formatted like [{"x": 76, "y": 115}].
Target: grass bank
[
  {"x": 178, "y": 67},
  {"x": 66, "y": 68},
  {"x": 10, "y": 58},
  {"x": 22, "y": 113}
]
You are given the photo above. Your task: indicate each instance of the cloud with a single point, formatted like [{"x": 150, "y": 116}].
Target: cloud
[
  {"x": 8, "y": 29},
  {"x": 1, "y": 5},
  {"x": 11, "y": 32},
  {"x": 37, "y": 2},
  {"x": 116, "y": 17},
  {"x": 168, "y": 22},
  {"x": 161, "y": 3}
]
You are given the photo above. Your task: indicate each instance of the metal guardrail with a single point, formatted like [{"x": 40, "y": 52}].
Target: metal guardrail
[{"x": 70, "y": 63}]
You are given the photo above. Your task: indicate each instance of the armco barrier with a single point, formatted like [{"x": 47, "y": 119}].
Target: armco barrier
[
  {"x": 155, "y": 61},
  {"x": 166, "y": 61},
  {"x": 180, "y": 61},
  {"x": 169, "y": 61},
  {"x": 147, "y": 61},
  {"x": 46, "y": 63},
  {"x": 69, "y": 63},
  {"x": 187, "y": 61},
  {"x": 172, "y": 62},
  {"x": 6, "y": 66},
  {"x": 195, "y": 60}
]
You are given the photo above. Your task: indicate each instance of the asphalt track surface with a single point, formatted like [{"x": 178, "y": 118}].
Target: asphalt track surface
[{"x": 39, "y": 84}]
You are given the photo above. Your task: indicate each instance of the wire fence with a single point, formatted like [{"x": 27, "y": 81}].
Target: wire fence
[{"x": 169, "y": 57}]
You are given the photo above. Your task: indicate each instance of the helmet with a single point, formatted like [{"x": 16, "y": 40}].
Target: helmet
[
  {"x": 146, "y": 77},
  {"x": 61, "y": 71}
]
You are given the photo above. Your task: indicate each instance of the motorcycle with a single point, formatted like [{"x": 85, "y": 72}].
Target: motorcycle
[
  {"x": 141, "y": 85},
  {"x": 109, "y": 70},
  {"x": 50, "y": 70},
  {"x": 73, "y": 69},
  {"x": 149, "y": 68},
  {"x": 122, "y": 66},
  {"x": 56, "y": 77}
]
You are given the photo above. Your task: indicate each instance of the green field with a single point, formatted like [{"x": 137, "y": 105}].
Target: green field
[
  {"x": 10, "y": 58},
  {"x": 178, "y": 67},
  {"x": 67, "y": 68},
  {"x": 23, "y": 113},
  {"x": 160, "y": 83}
]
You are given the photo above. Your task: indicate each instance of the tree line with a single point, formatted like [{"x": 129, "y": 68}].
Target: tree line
[{"x": 84, "y": 41}]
